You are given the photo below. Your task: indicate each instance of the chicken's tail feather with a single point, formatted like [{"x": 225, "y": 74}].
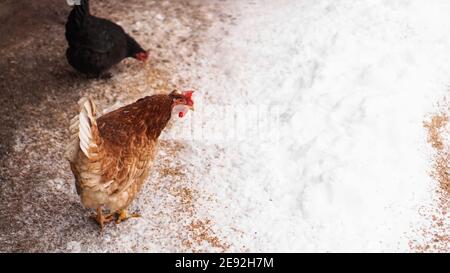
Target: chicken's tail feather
[
  {"x": 83, "y": 7},
  {"x": 88, "y": 125},
  {"x": 83, "y": 131},
  {"x": 80, "y": 11}
]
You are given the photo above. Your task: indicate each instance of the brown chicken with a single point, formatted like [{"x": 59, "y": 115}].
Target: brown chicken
[{"x": 111, "y": 156}]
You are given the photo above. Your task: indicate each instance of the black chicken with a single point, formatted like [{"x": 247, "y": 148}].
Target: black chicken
[{"x": 96, "y": 44}]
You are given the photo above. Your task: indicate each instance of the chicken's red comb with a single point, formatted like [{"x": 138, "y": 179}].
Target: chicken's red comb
[{"x": 188, "y": 94}]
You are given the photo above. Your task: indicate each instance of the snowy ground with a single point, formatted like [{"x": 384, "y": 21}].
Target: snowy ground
[{"x": 308, "y": 134}]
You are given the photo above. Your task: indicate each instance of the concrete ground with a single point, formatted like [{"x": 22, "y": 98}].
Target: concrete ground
[{"x": 40, "y": 210}]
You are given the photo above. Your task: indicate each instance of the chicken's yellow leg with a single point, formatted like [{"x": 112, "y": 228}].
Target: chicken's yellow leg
[
  {"x": 102, "y": 219},
  {"x": 123, "y": 216}
]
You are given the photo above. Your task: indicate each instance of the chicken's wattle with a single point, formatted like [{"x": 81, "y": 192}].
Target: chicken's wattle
[{"x": 181, "y": 110}]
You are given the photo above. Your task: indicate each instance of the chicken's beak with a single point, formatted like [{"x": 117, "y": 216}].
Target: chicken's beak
[{"x": 191, "y": 107}]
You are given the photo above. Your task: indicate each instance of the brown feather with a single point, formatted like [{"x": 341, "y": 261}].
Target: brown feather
[{"x": 121, "y": 152}]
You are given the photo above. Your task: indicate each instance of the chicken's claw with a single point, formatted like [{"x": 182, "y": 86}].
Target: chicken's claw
[
  {"x": 123, "y": 216},
  {"x": 102, "y": 219}
]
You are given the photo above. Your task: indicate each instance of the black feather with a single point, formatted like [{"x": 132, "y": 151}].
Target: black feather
[{"x": 96, "y": 44}]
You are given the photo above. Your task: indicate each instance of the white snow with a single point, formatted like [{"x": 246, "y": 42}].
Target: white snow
[{"x": 310, "y": 115}]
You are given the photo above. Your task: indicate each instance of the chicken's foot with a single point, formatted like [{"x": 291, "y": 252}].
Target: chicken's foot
[
  {"x": 123, "y": 216},
  {"x": 102, "y": 219}
]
